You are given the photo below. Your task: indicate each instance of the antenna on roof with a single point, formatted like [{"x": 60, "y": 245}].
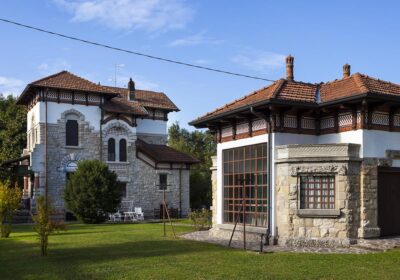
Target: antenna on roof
[{"x": 115, "y": 72}]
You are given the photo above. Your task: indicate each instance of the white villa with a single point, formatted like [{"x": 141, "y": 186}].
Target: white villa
[
  {"x": 71, "y": 119},
  {"x": 320, "y": 162}
]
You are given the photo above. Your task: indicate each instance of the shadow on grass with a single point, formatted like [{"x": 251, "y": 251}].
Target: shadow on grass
[{"x": 69, "y": 263}]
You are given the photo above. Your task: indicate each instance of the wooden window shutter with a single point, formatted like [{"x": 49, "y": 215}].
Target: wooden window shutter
[
  {"x": 72, "y": 133},
  {"x": 122, "y": 150},
  {"x": 111, "y": 149}
]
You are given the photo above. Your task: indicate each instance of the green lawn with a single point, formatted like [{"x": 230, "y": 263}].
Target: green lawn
[{"x": 138, "y": 251}]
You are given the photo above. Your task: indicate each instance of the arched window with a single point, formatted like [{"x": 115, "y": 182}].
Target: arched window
[
  {"x": 111, "y": 149},
  {"x": 72, "y": 133},
  {"x": 122, "y": 150}
]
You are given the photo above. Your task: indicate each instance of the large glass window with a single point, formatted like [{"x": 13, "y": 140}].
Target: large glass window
[
  {"x": 317, "y": 191},
  {"x": 248, "y": 164},
  {"x": 72, "y": 133}
]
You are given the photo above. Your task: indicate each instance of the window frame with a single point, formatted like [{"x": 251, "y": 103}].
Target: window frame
[
  {"x": 125, "y": 154},
  {"x": 69, "y": 141},
  {"x": 249, "y": 162},
  {"x": 111, "y": 146},
  {"x": 331, "y": 196},
  {"x": 162, "y": 186}
]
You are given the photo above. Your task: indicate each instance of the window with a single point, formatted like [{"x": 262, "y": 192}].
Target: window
[
  {"x": 317, "y": 191},
  {"x": 72, "y": 133},
  {"x": 248, "y": 163},
  {"x": 111, "y": 149},
  {"x": 122, "y": 150},
  {"x": 124, "y": 189},
  {"x": 163, "y": 181}
]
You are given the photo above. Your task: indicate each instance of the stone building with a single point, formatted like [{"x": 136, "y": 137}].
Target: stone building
[
  {"x": 313, "y": 164},
  {"x": 70, "y": 119}
]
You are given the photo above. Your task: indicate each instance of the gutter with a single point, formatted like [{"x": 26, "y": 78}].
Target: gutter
[{"x": 268, "y": 119}]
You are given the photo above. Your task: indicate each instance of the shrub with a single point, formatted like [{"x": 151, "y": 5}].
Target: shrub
[
  {"x": 44, "y": 225},
  {"x": 10, "y": 199},
  {"x": 201, "y": 219},
  {"x": 92, "y": 192}
]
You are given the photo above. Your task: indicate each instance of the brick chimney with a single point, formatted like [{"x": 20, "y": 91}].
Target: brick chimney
[
  {"x": 289, "y": 68},
  {"x": 346, "y": 70},
  {"x": 132, "y": 90}
]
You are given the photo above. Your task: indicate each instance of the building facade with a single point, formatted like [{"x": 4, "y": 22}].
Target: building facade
[
  {"x": 71, "y": 119},
  {"x": 311, "y": 164}
]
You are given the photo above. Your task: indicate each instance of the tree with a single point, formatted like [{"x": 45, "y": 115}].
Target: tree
[
  {"x": 202, "y": 146},
  {"x": 10, "y": 199},
  {"x": 12, "y": 131},
  {"x": 92, "y": 192},
  {"x": 44, "y": 224}
]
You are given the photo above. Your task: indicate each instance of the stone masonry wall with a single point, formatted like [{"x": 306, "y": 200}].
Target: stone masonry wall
[
  {"x": 317, "y": 227},
  {"x": 369, "y": 197}
]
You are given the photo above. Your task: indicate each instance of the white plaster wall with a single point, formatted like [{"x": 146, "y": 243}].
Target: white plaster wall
[
  {"x": 92, "y": 113},
  {"x": 353, "y": 136},
  {"x": 35, "y": 112},
  {"x": 118, "y": 122},
  {"x": 377, "y": 142},
  {"x": 146, "y": 126}
]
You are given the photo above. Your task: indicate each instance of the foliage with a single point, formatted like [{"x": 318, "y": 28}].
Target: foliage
[
  {"x": 92, "y": 192},
  {"x": 202, "y": 146},
  {"x": 12, "y": 131},
  {"x": 10, "y": 199},
  {"x": 201, "y": 219},
  {"x": 44, "y": 225}
]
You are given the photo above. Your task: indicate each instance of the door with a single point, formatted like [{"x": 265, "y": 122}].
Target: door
[{"x": 389, "y": 200}]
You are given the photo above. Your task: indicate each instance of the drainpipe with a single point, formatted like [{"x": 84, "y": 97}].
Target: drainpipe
[{"x": 268, "y": 119}]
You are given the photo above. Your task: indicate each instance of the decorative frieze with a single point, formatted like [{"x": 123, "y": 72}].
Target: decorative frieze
[
  {"x": 318, "y": 169},
  {"x": 259, "y": 125},
  {"x": 380, "y": 118},
  {"x": 328, "y": 122},
  {"x": 345, "y": 119},
  {"x": 226, "y": 131},
  {"x": 242, "y": 128}
]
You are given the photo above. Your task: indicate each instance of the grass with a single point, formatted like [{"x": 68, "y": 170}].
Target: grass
[{"x": 138, "y": 251}]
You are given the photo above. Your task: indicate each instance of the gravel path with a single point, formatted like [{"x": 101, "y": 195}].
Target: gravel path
[{"x": 362, "y": 247}]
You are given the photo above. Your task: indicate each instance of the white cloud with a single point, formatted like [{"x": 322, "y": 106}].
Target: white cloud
[
  {"x": 148, "y": 15},
  {"x": 260, "y": 60},
  {"x": 11, "y": 86},
  {"x": 52, "y": 67},
  {"x": 197, "y": 39}
]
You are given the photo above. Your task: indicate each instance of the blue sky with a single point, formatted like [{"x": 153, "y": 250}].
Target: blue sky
[{"x": 251, "y": 37}]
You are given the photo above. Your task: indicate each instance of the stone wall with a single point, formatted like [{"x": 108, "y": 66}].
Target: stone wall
[
  {"x": 317, "y": 227},
  {"x": 142, "y": 179},
  {"x": 214, "y": 184},
  {"x": 369, "y": 197}
]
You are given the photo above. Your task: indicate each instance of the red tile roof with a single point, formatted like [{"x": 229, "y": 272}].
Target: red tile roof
[
  {"x": 280, "y": 89},
  {"x": 69, "y": 81},
  {"x": 299, "y": 92},
  {"x": 119, "y": 102},
  {"x": 357, "y": 84},
  {"x": 163, "y": 153}
]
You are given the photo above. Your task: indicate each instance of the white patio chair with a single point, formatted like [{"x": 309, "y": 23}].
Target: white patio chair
[{"x": 139, "y": 213}]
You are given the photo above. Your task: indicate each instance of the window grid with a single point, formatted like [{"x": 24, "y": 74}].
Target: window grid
[
  {"x": 250, "y": 163},
  {"x": 317, "y": 191}
]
